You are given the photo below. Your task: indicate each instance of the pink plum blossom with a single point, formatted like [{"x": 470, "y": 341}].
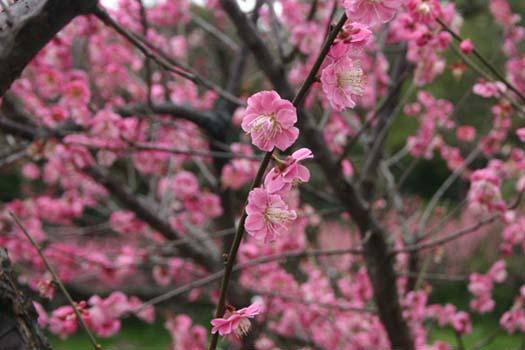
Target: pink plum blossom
[
  {"x": 280, "y": 178},
  {"x": 269, "y": 120},
  {"x": 489, "y": 89},
  {"x": 466, "y": 133},
  {"x": 268, "y": 215},
  {"x": 461, "y": 323},
  {"x": 521, "y": 134},
  {"x": 236, "y": 321},
  {"x": 343, "y": 81},
  {"x": 186, "y": 335},
  {"x": 466, "y": 46},
  {"x": 354, "y": 33},
  {"x": 371, "y": 12}
]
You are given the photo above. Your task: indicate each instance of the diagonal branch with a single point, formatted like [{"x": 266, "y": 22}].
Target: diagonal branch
[
  {"x": 129, "y": 200},
  {"x": 161, "y": 58},
  {"x": 207, "y": 258},
  {"x": 57, "y": 280},
  {"x": 28, "y": 27}
]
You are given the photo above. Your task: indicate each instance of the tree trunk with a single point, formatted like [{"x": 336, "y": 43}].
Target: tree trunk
[{"x": 18, "y": 318}]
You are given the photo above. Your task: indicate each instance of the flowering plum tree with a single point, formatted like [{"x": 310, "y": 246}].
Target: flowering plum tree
[{"x": 150, "y": 136}]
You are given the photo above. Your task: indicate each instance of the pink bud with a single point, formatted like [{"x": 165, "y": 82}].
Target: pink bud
[{"x": 466, "y": 46}]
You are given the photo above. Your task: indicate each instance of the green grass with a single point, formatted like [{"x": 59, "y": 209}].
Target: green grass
[
  {"x": 482, "y": 330},
  {"x": 139, "y": 336},
  {"x": 133, "y": 336}
]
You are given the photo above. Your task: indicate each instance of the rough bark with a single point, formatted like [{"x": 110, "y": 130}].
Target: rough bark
[
  {"x": 28, "y": 27},
  {"x": 18, "y": 318}
]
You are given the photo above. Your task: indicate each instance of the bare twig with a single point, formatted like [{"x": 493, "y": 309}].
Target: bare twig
[
  {"x": 445, "y": 186},
  {"x": 484, "y": 61},
  {"x": 147, "y": 62},
  {"x": 448, "y": 238},
  {"x": 254, "y": 262},
  {"x": 215, "y": 32}
]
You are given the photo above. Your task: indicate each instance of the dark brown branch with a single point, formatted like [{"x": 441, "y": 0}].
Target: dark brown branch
[
  {"x": 34, "y": 24},
  {"x": 130, "y": 201},
  {"x": 205, "y": 120},
  {"x": 162, "y": 59}
]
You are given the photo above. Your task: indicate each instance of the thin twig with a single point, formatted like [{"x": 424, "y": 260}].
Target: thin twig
[
  {"x": 484, "y": 61},
  {"x": 368, "y": 123},
  {"x": 147, "y": 62},
  {"x": 57, "y": 280},
  {"x": 215, "y": 32},
  {"x": 448, "y": 238},
  {"x": 445, "y": 186},
  {"x": 254, "y": 262},
  {"x": 297, "y": 300},
  {"x": 140, "y": 146}
]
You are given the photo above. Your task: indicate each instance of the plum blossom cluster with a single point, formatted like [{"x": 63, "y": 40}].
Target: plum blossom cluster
[
  {"x": 513, "y": 235},
  {"x": 484, "y": 193},
  {"x": 185, "y": 334},
  {"x": 343, "y": 79},
  {"x": 481, "y": 285},
  {"x": 514, "y": 319},
  {"x": 102, "y": 316},
  {"x": 270, "y": 120}
]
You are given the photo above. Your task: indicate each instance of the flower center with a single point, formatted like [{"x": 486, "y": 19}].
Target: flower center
[
  {"x": 243, "y": 328},
  {"x": 267, "y": 125},
  {"x": 424, "y": 8},
  {"x": 277, "y": 215},
  {"x": 352, "y": 79}
]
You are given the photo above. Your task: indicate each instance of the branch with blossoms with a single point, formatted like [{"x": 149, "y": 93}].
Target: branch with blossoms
[
  {"x": 77, "y": 308},
  {"x": 269, "y": 120},
  {"x": 137, "y": 130}
]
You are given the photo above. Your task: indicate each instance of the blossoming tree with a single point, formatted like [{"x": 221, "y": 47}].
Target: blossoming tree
[{"x": 211, "y": 154}]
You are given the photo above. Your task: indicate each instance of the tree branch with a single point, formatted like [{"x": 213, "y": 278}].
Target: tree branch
[
  {"x": 379, "y": 263},
  {"x": 57, "y": 280},
  {"x": 130, "y": 201},
  {"x": 205, "y": 120},
  {"x": 33, "y": 24},
  {"x": 161, "y": 58}
]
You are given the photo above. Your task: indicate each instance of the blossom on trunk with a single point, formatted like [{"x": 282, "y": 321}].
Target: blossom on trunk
[
  {"x": 268, "y": 215},
  {"x": 270, "y": 120}
]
